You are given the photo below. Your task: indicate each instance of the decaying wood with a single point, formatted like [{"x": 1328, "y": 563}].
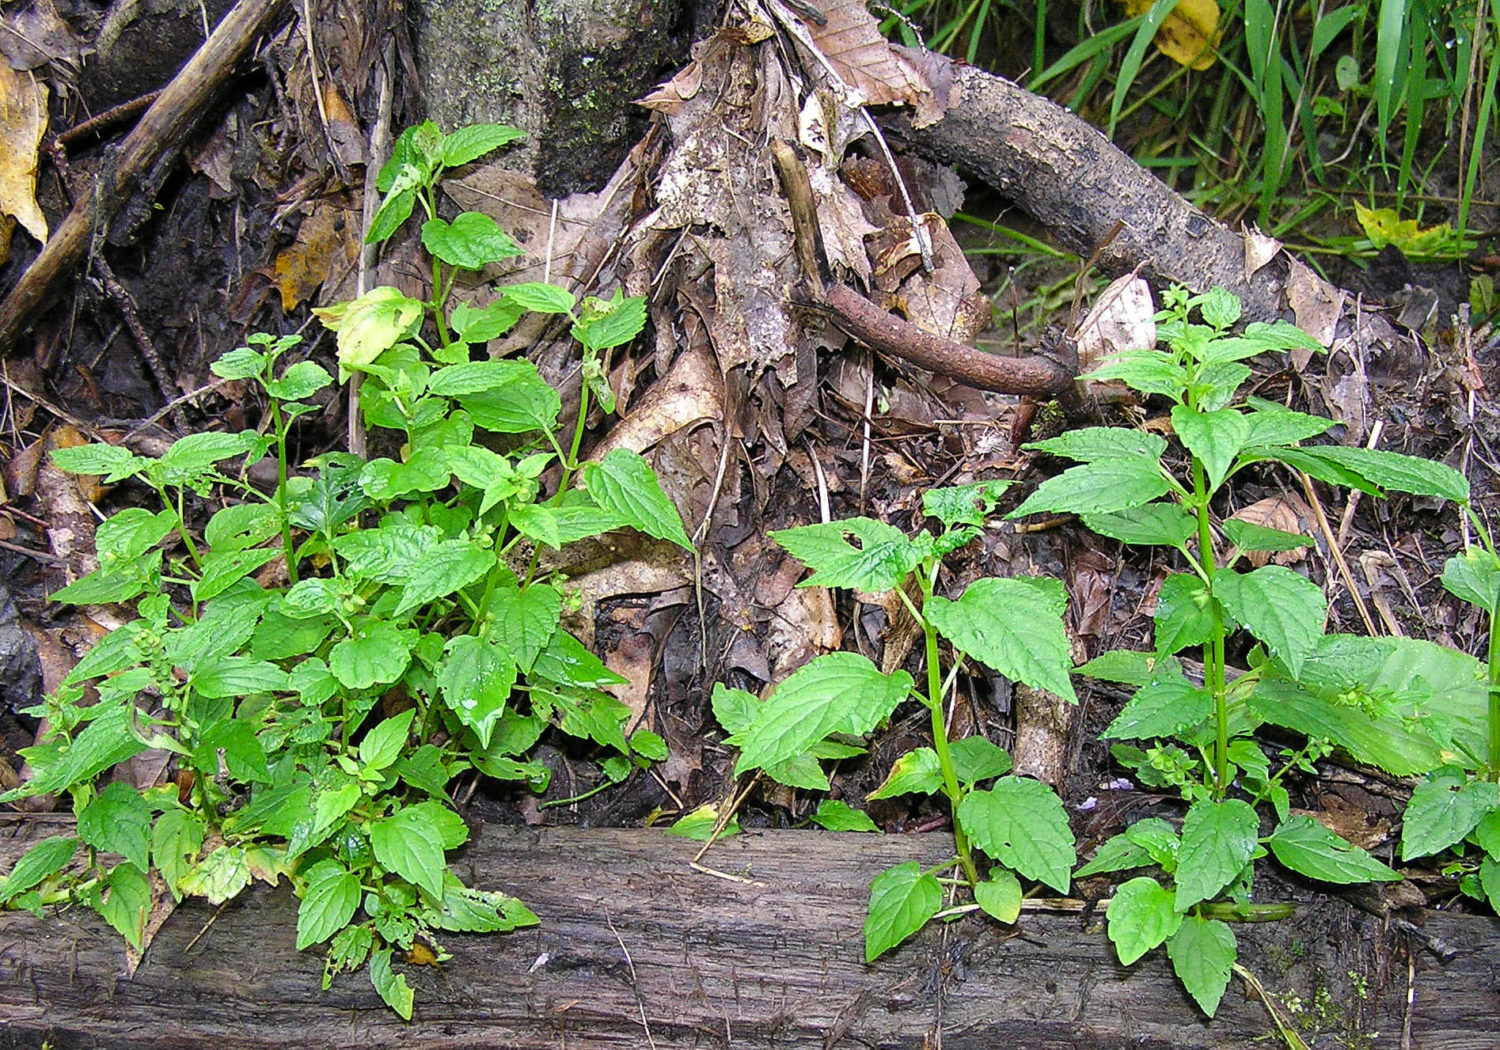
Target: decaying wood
[
  {"x": 181, "y": 105},
  {"x": 637, "y": 950},
  {"x": 1068, "y": 176}
]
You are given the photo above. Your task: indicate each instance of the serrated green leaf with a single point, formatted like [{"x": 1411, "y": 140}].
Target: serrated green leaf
[
  {"x": 241, "y": 526},
  {"x": 840, "y": 816},
  {"x": 190, "y": 456},
  {"x": 880, "y": 563},
  {"x": 239, "y": 363},
  {"x": 1308, "y": 848},
  {"x": 836, "y": 693},
  {"x": 391, "y": 986},
  {"x": 377, "y": 655},
  {"x": 1118, "y": 853},
  {"x": 1142, "y": 915},
  {"x": 105, "y": 586},
  {"x": 176, "y": 838},
  {"x": 111, "y": 463},
  {"x": 38, "y": 864},
  {"x": 917, "y": 772},
  {"x": 476, "y": 377},
  {"x": 442, "y": 569},
  {"x": 1126, "y": 666},
  {"x": 1087, "y": 444},
  {"x": 624, "y": 483},
  {"x": 1271, "y": 424},
  {"x": 902, "y": 899},
  {"x": 1101, "y": 487},
  {"x": 1397, "y": 472},
  {"x": 382, "y": 745},
  {"x": 329, "y": 900},
  {"x": 1021, "y": 823},
  {"x": 1281, "y": 608},
  {"x": 475, "y": 324},
  {"x": 394, "y": 210},
  {"x": 540, "y": 298},
  {"x": 1013, "y": 625},
  {"x": 1148, "y": 371},
  {"x": 1203, "y": 953},
  {"x": 975, "y": 759},
  {"x": 102, "y": 743},
  {"x": 1159, "y": 839},
  {"x": 604, "y": 325},
  {"x": 132, "y": 533},
  {"x": 1155, "y": 524},
  {"x": 244, "y": 757},
  {"x": 476, "y": 678},
  {"x": 412, "y": 841},
  {"x": 734, "y": 709},
  {"x": 370, "y": 325},
  {"x": 1443, "y": 809},
  {"x": 1218, "y": 839},
  {"x": 1315, "y": 466},
  {"x": 1474, "y": 576},
  {"x": 967, "y": 504},
  {"x": 125, "y": 902},
  {"x": 1214, "y": 438},
  {"x": 1000, "y": 896},
  {"x": 299, "y": 381},
  {"x": 1183, "y": 614},
  {"x": 1250, "y": 537},
  {"x": 1164, "y": 706},
  {"x": 238, "y": 676},
  {"x": 471, "y": 241},
  {"x": 524, "y": 402},
  {"x": 472, "y": 141},
  {"x": 698, "y": 825}
]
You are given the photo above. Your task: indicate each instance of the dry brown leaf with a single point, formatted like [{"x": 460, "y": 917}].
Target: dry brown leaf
[
  {"x": 1260, "y": 249},
  {"x": 851, "y": 42},
  {"x": 1189, "y": 34},
  {"x": 1123, "y": 318},
  {"x": 1315, "y": 304},
  {"x": 327, "y": 243},
  {"x": 23, "y": 121},
  {"x": 35, "y": 35},
  {"x": 1274, "y": 512}
]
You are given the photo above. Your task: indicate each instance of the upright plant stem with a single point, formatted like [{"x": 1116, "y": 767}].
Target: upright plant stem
[
  {"x": 286, "y": 525},
  {"x": 1213, "y": 650},
  {"x": 934, "y": 700}
]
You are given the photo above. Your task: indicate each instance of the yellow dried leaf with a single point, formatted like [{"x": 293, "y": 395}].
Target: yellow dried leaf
[
  {"x": 325, "y": 244},
  {"x": 23, "y": 119},
  {"x": 1189, "y": 34}
]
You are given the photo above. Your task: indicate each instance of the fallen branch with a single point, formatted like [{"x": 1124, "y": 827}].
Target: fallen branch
[{"x": 179, "y": 109}]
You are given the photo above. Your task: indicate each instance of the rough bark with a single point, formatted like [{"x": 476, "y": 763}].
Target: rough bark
[{"x": 631, "y": 939}]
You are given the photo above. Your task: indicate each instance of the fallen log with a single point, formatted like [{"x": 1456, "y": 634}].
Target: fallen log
[{"x": 635, "y": 949}]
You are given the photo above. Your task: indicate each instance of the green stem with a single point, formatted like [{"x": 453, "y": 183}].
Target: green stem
[
  {"x": 286, "y": 524},
  {"x": 934, "y": 701},
  {"x": 571, "y": 463},
  {"x": 1213, "y": 649}
]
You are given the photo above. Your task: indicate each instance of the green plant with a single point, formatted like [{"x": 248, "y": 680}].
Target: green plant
[
  {"x": 1397, "y": 703},
  {"x": 316, "y": 721},
  {"x": 1015, "y": 826},
  {"x": 1459, "y": 803}
]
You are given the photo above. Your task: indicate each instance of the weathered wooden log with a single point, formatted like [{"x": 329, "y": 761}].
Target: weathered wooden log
[{"x": 636, "y": 949}]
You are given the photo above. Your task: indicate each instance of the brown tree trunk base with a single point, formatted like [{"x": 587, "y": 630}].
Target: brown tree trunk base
[{"x": 637, "y": 950}]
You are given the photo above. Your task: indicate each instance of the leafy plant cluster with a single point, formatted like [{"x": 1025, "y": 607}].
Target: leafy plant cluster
[
  {"x": 1407, "y": 706},
  {"x": 322, "y": 661}
]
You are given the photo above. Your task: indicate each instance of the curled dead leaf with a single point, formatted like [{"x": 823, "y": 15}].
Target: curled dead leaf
[
  {"x": 23, "y": 120},
  {"x": 1189, "y": 34}
]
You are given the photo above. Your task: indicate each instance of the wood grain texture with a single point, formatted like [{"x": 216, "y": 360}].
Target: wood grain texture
[{"x": 633, "y": 940}]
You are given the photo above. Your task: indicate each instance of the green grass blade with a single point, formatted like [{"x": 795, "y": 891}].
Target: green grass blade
[
  {"x": 1137, "y": 54},
  {"x": 1390, "y": 78}
]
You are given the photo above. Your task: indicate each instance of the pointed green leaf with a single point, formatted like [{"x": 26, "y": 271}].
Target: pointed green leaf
[
  {"x": 1087, "y": 444},
  {"x": 1101, "y": 487},
  {"x": 470, "y": 241},
  {"x": 377, "y": 655},
  {"x": 329, "y": 900},
  {"x": 836, "y": 693},
  {"x": 1249, "y": 537},
  {"x": 382, "y": 745},
  {"x": 472, "y": 141},
  {"x": 1308, "y": 848},
  {"x": 1013, "y": 625},
  {"x": 964, "y": 504},
  {"x": 476, "y": 678},
  {"x": 1167, "y": 704},
  {"x": 1218, "y": 839},
  {"x": 1202, "y": 953},
  {"x": 391, "y": 986},
  {"x": 1474, "y": 576},
  {"x": 1118, "y": 853},
  {"x": 412, "y": 841},
  {"x": 1443, "y": 809},
  {"x": 540, "y": 298},
  {"x": 1214, "y": 438},
  {"x": 624, "y": 483},
  {"x": 1141, "y": 916},
  {"x": 1281, "y": 608},
  {"x": 902, "y": 899},
  {"x": 38, "y": 864},
  {"x": 442, "y": 569},
  {"x": 1021, "y": 823},
  {"x": 1000, "y": 896},
  {"x": 1155, "y": 524},
  {"x": 917, "y": 772},
  {"x": 840, "y": 816},
  {"x": 976, "y": 759},
  {"x": 125, "y": 902},
  {"x": 1183, "y": 614},
  {"x": 880, "y": 563}
]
